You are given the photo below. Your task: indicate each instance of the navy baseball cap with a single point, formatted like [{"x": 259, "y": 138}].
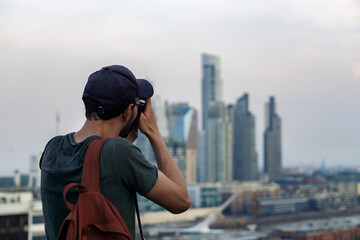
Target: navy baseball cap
[{"x": 114, "y": 88}]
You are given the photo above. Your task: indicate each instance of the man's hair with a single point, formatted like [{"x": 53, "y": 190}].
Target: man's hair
[{"x": 94, "y": 110}]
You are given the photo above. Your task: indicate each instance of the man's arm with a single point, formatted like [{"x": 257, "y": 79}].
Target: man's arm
[{"x": 170, "y": 189}]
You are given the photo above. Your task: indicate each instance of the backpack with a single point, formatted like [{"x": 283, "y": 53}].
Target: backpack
[{"x": 93, "y": 217}]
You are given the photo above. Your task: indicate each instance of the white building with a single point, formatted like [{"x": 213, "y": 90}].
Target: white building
[{"x": 20, "y": 215}]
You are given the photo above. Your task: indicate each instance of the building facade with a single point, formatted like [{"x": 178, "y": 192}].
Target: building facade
[
  {"x": 329, "y": 229},
  {"x": 272, "y": 141},
  {"x": 229, "y": 143},
  {"x": 250, "y": 193},
  {"x": 244, "y": 154},
  {"x": 202, "y": 170},
  {"x": 183, "y": 138},
  {"x": 204, "y": 195},
  {"x": 20, "y": 215},
  {"x": 211, "y": 84},
  {"x": 219, "y": 163},
  {"x": 211, "y": 91}
]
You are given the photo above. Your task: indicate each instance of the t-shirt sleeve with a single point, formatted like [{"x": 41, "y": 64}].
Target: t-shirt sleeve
[{"x": 133, "y": 169}]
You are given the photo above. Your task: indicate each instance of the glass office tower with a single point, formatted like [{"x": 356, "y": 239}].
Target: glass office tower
[
  {"x": 245, "y": 157},
  {"x": 272, "y": 141}
]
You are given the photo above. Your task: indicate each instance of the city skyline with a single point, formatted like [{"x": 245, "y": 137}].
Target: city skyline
[{"x": 306, "y": 54}]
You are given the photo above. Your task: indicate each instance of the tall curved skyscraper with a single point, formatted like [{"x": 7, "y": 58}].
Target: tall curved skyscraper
[
  {"x": 211, "y": 93},
  {"x": 211, "y": 84},
  {"x": 245, "y": 167},
  {"x": 272, "y": 141}
]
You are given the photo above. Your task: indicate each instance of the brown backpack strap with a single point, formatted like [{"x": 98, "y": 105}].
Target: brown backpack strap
[
  {"x": 80, "y": 187},
  {"x": 91, "y": 170},
  {"x": 91, "y": 174}
]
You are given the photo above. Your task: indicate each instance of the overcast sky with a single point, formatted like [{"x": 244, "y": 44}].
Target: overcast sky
[{"x": 305, "y": 53}]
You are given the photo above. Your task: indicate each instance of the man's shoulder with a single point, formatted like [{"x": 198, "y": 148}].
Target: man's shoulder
[
  {"x": 120, "y": 144},
  {"x": 55, "y": 141},
  {"x": 120, "y": 148},
  {"x": 118, "y": 141}
]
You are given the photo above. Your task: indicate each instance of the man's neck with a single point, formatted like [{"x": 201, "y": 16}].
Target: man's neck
[{"x": 105, "y": 129}]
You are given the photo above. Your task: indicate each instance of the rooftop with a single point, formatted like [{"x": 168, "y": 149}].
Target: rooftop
[{"x": 321, "y": 225}]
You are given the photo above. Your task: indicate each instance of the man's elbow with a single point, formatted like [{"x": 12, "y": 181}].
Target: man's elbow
[{"x": 183, "y": 205}]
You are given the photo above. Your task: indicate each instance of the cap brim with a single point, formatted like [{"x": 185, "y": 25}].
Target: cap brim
[{"x": 146, "y": 90}]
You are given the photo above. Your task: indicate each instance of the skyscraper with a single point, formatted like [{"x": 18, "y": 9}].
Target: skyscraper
[
  {"x": 218, "y": 142},
  {"x": 272, "y": 141},
  {"x": 245, "y": 167},
  {"x": 202, "y": 170},
  {"x": 211, "y": 84},
  {"x": 211, "y": 93},
  {"x": 229, "y": 143},
  {"x": 183, "y": 138}
]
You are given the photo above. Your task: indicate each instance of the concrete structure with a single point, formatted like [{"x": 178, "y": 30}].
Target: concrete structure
[
  {"x": 245, "y": 167},
  {"x": 272, "y": 141},
  {"x": 17, "y": 178}
]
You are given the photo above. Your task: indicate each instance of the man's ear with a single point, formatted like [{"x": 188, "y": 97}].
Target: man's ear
[{"x": 127, "y": 113}]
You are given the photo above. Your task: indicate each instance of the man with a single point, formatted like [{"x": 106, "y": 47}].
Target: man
[{"x": 112, "y": 98}]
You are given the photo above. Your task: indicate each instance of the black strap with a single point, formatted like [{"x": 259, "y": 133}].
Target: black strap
[
  {"x": 138, "y": 217},
  {"x": 41, "y": 159}
]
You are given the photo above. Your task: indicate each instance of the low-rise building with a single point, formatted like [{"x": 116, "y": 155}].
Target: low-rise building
[
  {"x": 204, "y": 195},
  {"x": 330, "y": 229},
  {"x": 331, "y": 201},
  {"x": 250, "y": 192},
  {"x": 20, "y": 215},
  {"x": 348, "y": 187},
  {"x": 279, "y": 205}
]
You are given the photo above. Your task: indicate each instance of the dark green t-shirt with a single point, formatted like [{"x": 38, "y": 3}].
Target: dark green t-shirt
[{"x": 123, "y": 172}]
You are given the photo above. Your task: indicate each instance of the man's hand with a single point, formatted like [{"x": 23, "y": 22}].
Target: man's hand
[{"x": 147, "y": 122}]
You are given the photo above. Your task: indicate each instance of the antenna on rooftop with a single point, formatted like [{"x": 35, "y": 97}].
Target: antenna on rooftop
[{"x": 57, "y": 124}]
